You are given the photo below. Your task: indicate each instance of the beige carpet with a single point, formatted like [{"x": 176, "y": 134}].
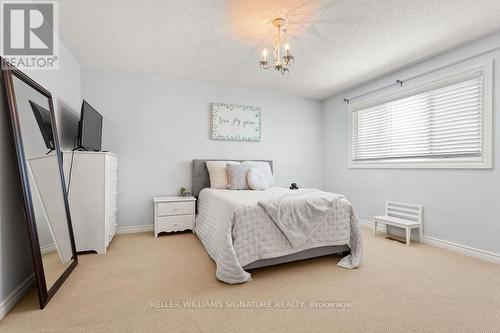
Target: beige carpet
[
  {"x": 398, "y": 289},
  {"x": 53, "y": 267}
]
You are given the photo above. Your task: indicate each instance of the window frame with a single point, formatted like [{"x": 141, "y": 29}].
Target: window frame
[{"x": 440, "y": 79}]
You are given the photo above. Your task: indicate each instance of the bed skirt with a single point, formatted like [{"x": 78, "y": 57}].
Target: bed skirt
[{"x": 306, "y": 254}]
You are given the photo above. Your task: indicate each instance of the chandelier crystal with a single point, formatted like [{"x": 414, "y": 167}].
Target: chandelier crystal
[{"x": 280, "y": 63}]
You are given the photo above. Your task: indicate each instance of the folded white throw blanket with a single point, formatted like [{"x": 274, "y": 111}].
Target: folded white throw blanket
[{"x": 299, "y": 214}]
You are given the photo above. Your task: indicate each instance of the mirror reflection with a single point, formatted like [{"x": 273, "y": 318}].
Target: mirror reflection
[{"x": 44, "y": 180}]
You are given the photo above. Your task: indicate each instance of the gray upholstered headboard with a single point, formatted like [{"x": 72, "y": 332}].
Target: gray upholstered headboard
[{"x": 201, "y": 179}]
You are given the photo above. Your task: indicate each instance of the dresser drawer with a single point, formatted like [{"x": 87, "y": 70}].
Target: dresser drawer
[
  {"x": 112, "y": 163},
  {"x": 112, "y": 214},
  {"x": 174, "y": 208},
  {"x": 111, "y": 229},
  {"x": 174, "y": 223},
  {"x": 112, "y": 180},
  {"x": 112, "y": 196}
]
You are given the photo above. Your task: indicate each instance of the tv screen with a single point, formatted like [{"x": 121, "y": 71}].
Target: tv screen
[
  {"x": 90, "y": 132},
  {"x": 44, "y": 121}
]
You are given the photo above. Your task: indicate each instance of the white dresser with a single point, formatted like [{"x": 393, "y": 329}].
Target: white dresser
[
  {"x": 174, "y": 213},
  {"x": 92, "y": 197}
]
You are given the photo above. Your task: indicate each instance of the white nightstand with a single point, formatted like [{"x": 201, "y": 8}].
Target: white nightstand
[{"x": 174, "y": 213}]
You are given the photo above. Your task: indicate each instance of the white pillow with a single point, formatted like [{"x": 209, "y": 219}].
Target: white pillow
[
  {"x": 237, "y": 176},
  {"x": 218, "y": 173},
  {"x": 265, "y": 168},
  {"x": 257, "y": 180}
]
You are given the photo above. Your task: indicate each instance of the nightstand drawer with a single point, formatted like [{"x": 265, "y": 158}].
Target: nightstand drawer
[
  {"x": 174, "y": 223},
  {"x": 174, "y": 208}
]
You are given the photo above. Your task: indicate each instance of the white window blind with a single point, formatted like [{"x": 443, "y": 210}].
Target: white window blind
[{"x": 443, "y": 122}]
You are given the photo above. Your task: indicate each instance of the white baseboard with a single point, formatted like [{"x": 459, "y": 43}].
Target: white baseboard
[
  {"x": 455, "y": 247},
  {"x": 48, "y": 248},
  {"x": 16, "y": 295},
  {"x": 463, "y": 249},
  {"x": 380, "y": 227},
  {"x": 135, "y": 229}
]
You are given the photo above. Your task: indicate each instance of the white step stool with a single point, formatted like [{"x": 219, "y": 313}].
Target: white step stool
[{"x": 403, "y": 215}]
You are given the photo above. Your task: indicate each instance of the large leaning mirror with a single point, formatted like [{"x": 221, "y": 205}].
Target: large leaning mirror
[{"x": 40, "y": 168}]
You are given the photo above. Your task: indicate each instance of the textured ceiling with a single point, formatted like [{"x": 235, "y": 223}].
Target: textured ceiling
[{"x": 337, "y": 44}]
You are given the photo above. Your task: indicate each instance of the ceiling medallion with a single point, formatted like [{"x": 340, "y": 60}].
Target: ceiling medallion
[{"x": 280, "y": 64}]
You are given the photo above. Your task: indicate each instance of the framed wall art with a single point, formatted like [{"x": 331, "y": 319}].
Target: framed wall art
[{"x": 233, "y": 122}]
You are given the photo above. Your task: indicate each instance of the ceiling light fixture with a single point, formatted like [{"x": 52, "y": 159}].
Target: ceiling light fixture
[{"x": 280, "y": 64}]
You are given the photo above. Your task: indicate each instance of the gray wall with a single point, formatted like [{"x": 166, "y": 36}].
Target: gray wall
[
  {"x": 460, "y": 206},
  {"x": 158, "y": 126},
  {"x": 15, "y": 254}
]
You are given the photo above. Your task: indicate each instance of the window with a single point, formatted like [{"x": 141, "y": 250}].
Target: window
[{"x": 442, "y": 124}]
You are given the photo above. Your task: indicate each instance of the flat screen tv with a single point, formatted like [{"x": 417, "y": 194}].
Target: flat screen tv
[
  {"x": 44, "y": 121},
  {"x": 90, "y": 128}
]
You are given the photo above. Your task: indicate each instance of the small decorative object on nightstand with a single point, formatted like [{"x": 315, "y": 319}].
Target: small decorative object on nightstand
[
  {"x": 184, "y": 192},
  {"x": 174, "y": 213}
]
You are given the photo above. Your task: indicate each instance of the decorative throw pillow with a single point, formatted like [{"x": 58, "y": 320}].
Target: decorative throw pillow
[
  {"x": 237, "y": 176},
  {"x": 265, "y": 168},
  {"x": 257, "y": 180},
  {"x": 218, "y": 173}
]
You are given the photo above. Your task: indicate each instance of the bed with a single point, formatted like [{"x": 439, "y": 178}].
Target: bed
[{"x": 240, "y": 235}]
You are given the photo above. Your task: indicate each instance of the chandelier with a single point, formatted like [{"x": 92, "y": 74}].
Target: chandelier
[{"x": 280, "y": 64}]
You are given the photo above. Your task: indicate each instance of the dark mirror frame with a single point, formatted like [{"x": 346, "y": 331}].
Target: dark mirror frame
[{"x": 8, "y": 71}]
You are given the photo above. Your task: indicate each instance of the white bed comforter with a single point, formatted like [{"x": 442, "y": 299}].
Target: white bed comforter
[{"x": 237, "y": 231}]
